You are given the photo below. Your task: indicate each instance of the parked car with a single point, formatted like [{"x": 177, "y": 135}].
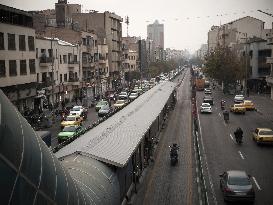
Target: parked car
[
  {"x": 79, "y": 110},
  {"x": 120, "y": 103},
  {"x": 123, "y": 96},
  {"x": 104, "y": 110},
  {"x": 133, "y": 95},
  {"x": 236, "y": 186},
  {"x": 100, "y": 104},
  {"x": 238, "y": 108},
  {"x": 71, "y": 120},
  {"x": 70, "y": 131},
  {"x": 249, "y": 105},
  {"x": 239, "y": 99},
  {"x": 208, "y": 99},
  {"x": 205, "y": 108},
  {"x": 263, "y": 135}
]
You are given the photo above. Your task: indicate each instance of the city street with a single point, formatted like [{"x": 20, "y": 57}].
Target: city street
[
  {"x": 222, "y": 153},
  {"x": 166, "y": 184}
]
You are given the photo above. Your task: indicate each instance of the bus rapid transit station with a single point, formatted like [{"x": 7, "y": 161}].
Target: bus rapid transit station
[{"x": 102, "y": 166}]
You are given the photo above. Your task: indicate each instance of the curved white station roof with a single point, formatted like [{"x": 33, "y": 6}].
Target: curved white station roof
[{"x": 115, "y": 140}]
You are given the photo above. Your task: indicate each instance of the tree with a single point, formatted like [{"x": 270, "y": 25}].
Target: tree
[
  {"x": 156, "y": 68},
  {"x": 224, "y": 65}
]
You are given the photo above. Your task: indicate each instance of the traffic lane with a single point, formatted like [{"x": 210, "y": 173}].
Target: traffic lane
[
  {"x": 219, "y": 153},
  {"x": 259, "y": 158},
  {"x": 167, "y": 184},
  {"x": 92, "y": 116},
  {"x": 259, "y": 169}
]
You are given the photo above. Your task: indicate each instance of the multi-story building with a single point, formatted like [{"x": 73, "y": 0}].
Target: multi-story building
[
  {"x": 17, "y": 56},
  {"x": 155, "y": 33},
  {"x": 58, "y": 69},
  {"x": 236, "y": 32},
  {"x": 269, "y": 60},
  {"x": 202, "y": 51},
  {"x": 106, "y": 25}
]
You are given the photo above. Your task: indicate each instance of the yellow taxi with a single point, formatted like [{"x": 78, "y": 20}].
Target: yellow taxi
[
  {"x": 238, "y": 108},
  {"x": 249, "y": 105},
  {"x": 263, "y": 135},
  {"x": 71, "y": 120}
]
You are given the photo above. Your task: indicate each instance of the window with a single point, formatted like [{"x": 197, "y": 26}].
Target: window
[
  {"x": 75, "y": 58},
  {"x": 38, "y": 79},
  {"x": 65, "y": 77},
  {"x": 50, "y": 53},
  {"x": 65, "y": 58},
  {"x": 12, "y": 68},
  {"x": 32, "y": 66},
  {"x": 60, "y": 59},
  {"x": 2, "y": 46},
  {"x": 11, "y": 42},
  {"x": 36, "y": 52},
  {"x": 22, "y": 43},
  {"x": 61, "y": 78},
  {"x": 23, "y": 67},
  {"x": 31, "y": 43},
  {"x": 84, "y": 41},
  {"x": 2, "y": 68},
  {"x": 44, "y": 77}
]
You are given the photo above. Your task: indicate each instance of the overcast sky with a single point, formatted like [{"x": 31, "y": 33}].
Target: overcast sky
[{"x": 186, "y": 21}]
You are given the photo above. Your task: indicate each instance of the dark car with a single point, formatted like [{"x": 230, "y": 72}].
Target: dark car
[
  {"x": 208, "y": 99},
  {"x": 236, "y": 186}
]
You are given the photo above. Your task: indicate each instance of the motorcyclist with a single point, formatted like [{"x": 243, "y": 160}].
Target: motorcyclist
[
  {"x": 223, "y": 102},
  {"x": 174, "y": 148},
  {"x": 238, "y": 134}
]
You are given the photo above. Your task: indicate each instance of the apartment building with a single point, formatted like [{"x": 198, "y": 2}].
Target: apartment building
[
  {"x": 58, "y": 69},
  {"x": 106, "y": 25},
  {"x": 155, "y": 34},
  {"x": 269, "y": 61},
  {"x": 17, "y": 56},
  {"x": 235, "y": 32}
]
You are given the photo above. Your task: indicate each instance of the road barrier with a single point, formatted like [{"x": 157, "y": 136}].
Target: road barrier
[{"x": 202, "y": 189}]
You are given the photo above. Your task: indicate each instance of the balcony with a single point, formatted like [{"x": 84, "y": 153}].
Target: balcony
[
  {"x": 269, "y": 60},
  {"x": 88, "y": 64},
  {"x": 269, "y": 79},
  {"x": 74, "y": 81},
  {"x": 46, "y": 61},
  {"x": 73, "y": 62}
]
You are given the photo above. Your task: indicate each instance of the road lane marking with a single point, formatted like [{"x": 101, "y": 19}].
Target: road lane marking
[
  {"x": 231, "y": 137},
  {"x": 240, "y": 153},
  {"x": 257, "y": 184},
  {"x": 219, "y": 114}
]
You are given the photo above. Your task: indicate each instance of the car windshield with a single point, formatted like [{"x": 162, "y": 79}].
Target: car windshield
[
  {"x": 76, "y": 109},
  {"x": 132, "y": 94},
  {"x": 205, "y": 105},
  {"x": 123, "y": 93},
  {"x": 69, "y": 129},
  {"x": 238, "y": 180},
  {"x": 101, "y": 103},
  {"x": 120, "y": 102},
  {"x": 70, "y": 118},
  {"x": 266, "y": 132}
]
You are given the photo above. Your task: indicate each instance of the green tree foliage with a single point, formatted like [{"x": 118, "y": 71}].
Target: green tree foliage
[
  {"x": 224, "y": 65},
  {"x": 156, "y": 68}
]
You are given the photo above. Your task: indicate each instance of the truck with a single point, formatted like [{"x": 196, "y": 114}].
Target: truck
[{"x": 200, "y": 84}]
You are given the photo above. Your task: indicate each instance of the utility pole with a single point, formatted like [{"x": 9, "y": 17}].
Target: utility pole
[{"x": 246, "y": 66}]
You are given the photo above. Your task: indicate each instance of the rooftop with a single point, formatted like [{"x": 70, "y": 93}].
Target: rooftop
[{"x": 115, "y": 140}]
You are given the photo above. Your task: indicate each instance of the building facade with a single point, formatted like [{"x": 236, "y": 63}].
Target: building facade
[
  {"x": 17, "y": 56},
  {"x": 155, "y": 33},
  {"x": 236, "y": 32}
]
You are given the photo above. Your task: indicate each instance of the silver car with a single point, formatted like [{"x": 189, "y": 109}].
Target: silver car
[{"x": 236, "y": 186}]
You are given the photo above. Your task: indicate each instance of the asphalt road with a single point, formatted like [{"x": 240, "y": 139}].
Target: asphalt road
[
  {"x": 221, "y": 153},
  {"x": 165, "y": 184}
]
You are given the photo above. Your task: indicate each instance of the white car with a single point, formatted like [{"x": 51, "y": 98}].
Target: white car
[
  {"x": 239, "y": 99},
  {"x": 123, "y": 96},
  {"x": 208, "y": 91},
  {"x": 133, "y": 96},
  {"x": 77, "y": 110},
  {"x": 205, "y": 108}
]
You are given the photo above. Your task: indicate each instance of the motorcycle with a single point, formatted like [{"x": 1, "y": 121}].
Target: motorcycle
[
  {"x": 174, "y": 154},
  {"x": 238, "y": 136}
]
